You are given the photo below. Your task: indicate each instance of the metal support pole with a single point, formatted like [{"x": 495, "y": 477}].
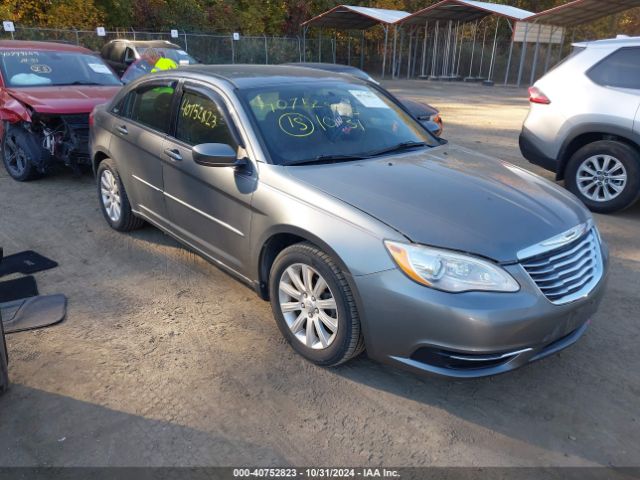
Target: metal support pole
[
  {"x": 452, "y": 66},
  {"x": 335, "y": 45},
  {"x": 320, "y": 46},
  {"x": 523, "y": 55},
  {"x": 395, "y": 45},
  {"x": 77, "y": 37},
  {"x": 304, "y": 43},
  {"x": 535, "y": 57},
  {"x": 506, "y": 73},
  {"x": 233, "y": 50},
  {"x": 186, "y": 45},
  {"x": 433, "y": 51},
  {"x": 398, "y": 72},
  {"x": 549, "y": 44},
  {"x": 362, "y": 45},
  {"x": 564, "y": 31},
  {"x": 409, "y": 55},
  {"x": 460, "y": 52},
  {"x": 489, "y": 81},
  {"x": 473, "y": 52},
  {"x": 266, "y": 51},
  {"x": 384, "y": 54},
  {"x": 348, "y": 48},
  {"x": 414, "y": 61},
  {"x": 424, "y": 49},
  {"x": 484, "y": 42},
  {"x": 445, "y": 60}
]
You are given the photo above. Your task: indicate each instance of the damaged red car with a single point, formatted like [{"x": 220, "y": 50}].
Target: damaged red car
[{"x": 47, "y": 91}]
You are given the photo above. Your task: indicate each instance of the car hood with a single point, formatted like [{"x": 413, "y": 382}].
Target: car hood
[
  {"x": 64, "y": 99},
  {"x": 451, "y": 197}
]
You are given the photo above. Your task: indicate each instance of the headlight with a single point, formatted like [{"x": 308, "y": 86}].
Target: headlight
[{"x": 450, "y": 271}]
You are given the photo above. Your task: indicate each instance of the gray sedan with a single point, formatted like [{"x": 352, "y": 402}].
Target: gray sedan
[{"x": 323, "y": 194}]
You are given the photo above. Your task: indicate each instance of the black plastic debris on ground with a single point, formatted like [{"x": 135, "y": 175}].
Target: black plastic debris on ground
[{"x": 26, "y": 263}]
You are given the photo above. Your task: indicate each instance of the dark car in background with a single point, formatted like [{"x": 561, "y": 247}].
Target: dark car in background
[
  {"x": 426, "y": 114},
  {"x": 121, "y": 53},
  {"x": 47, "y": 91}
]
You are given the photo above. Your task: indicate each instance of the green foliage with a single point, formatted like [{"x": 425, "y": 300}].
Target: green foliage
[{"x": 249, "y": 17}]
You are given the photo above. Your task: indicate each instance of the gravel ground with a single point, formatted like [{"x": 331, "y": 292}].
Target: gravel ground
[{"x": 165, "y": 360}]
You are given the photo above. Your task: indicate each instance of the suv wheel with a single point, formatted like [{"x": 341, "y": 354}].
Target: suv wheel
[
  {"x": 605, "y": 175},
  {"x": 314, "y": 307}
]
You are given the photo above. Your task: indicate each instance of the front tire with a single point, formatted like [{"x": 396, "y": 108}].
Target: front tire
[
  {"x": 605, "y": 175},
  {"x": 21, "y": 154},
  {"x": 114, "y": 201},
  {"x": 314, "y": 307}
]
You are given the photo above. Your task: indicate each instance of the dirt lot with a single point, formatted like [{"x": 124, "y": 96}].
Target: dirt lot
[{"x": 165, "y": 360}]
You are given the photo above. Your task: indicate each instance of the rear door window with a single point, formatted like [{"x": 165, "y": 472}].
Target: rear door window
[
  {"x": 620, "y": 69},
  {"x": 150, "y": 105}
]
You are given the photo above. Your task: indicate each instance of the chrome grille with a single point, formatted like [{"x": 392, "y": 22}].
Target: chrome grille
[{"x": 567, "y": 273}]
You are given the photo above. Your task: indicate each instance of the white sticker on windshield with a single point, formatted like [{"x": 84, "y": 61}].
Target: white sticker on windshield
[
  {"x": 99, "y": 68},
  {"x": 182, "y": 52},
  {"x": 368, "y": 99},
  {"x": 183, "y": 62}
]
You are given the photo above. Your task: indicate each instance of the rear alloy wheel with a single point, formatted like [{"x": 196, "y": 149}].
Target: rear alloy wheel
[
  {"x": 313, "y": 305},
  {"x": 21, "y": 154},
  {"x": 605, "y": 175}
]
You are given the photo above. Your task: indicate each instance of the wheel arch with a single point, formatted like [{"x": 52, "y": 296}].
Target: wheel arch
[
  {"x": 281, "y": 237},
  {"x": 593, "y": 133}
]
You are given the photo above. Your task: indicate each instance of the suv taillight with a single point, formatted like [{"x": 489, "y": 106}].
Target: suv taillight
[{"x": 536, "y": 96}]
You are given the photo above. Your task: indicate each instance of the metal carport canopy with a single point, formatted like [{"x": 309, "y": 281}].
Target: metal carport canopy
[
  {"x": 348, "y": 17},
  {"x": 582, "y": 11},
  {"x": 464, "y": 11}
]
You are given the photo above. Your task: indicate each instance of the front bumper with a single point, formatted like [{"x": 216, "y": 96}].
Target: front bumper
[{"x": 467, "y": 335}]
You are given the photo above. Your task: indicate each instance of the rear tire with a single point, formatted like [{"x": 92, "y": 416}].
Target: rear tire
[
  {"x": 605, "y": 175},
  {"x": 323, "y": 326},
  {"x": 21, "y": 154},
  {"x": 113, "y": 198}
]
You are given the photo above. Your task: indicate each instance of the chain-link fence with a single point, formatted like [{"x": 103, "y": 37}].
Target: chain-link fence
[{"x": 470, "y": 55}]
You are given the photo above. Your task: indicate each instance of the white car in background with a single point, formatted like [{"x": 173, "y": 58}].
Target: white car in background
[{"x": 584, "y": 123}]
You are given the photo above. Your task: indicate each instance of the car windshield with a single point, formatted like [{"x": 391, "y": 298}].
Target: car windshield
[
  {"x": 179, "y": 56},
  {"x": 38, "y": 68},
  {"x": 331, "y": 121}
]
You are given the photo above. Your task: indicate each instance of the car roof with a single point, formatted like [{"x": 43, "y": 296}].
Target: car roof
[
  {"x": 621, "y": 41},
  {"x": 248, "y": 76},
  {"x": 33, "y": 45},
  {"x": 148, "y": 43}
]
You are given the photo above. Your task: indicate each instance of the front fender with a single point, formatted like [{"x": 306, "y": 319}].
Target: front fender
[{"x": 12, "y": 110}]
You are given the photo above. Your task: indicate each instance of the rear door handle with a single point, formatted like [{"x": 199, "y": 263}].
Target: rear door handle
[
  {"x": 173, "y": 153},
  {"x": 122, "y": 129}
]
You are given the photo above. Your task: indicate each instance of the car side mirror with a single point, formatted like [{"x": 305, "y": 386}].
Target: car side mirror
[{"x": 215, "y": 155}]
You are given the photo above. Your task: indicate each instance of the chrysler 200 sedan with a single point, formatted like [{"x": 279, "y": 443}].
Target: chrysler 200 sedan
[{"x": 363, "y": 230}]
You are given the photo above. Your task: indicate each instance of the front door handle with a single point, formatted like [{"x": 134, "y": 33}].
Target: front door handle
[
  {"x": 122, "y": 129},
  {"x": 173, "y": 153}
]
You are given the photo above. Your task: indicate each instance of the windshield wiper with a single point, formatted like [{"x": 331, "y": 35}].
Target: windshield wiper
[
  {"x": 398, "y": 148},
  {"x": 329, "y": 159},
  {"x": 78, "y": 82}
]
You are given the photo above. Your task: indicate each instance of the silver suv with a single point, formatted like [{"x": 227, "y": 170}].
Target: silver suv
[{"x": 584, "y": 123}]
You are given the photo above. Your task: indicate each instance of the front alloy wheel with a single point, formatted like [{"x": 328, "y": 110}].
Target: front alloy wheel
[
  {"x": 313, "y": 305},
  {"x": 308, "y": 306}
]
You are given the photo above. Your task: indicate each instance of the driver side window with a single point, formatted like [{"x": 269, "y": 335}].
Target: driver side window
[{"x": 200, "y": 120}]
